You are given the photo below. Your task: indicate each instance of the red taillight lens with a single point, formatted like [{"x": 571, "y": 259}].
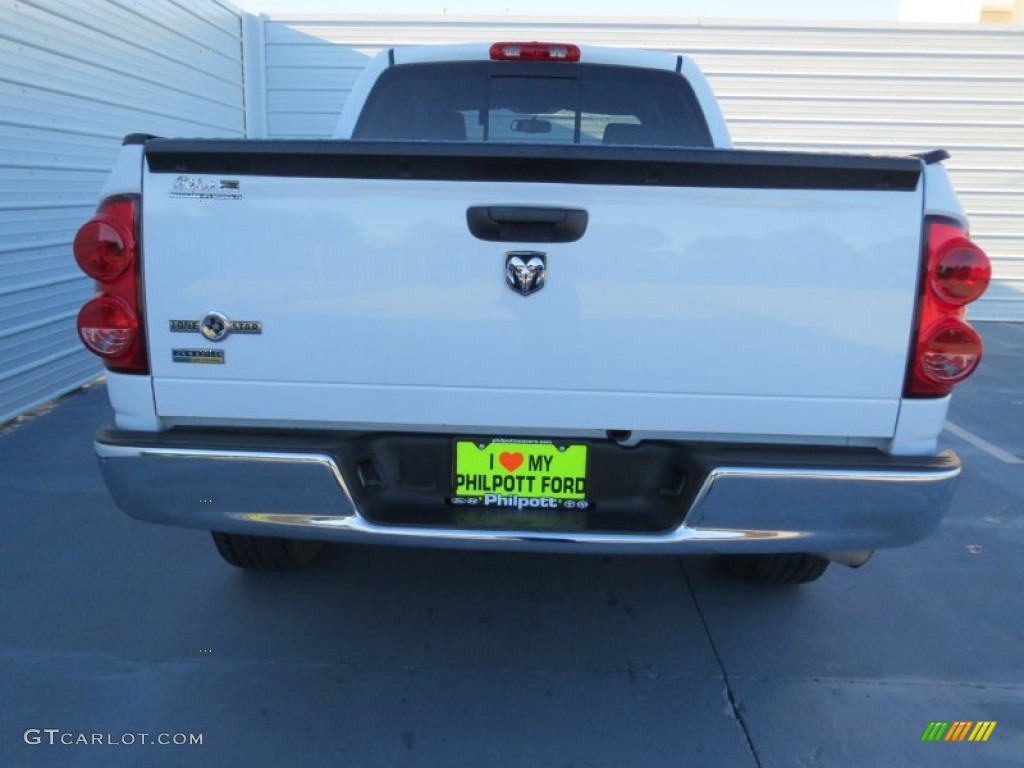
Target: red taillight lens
[
  {"x": 950, "y": 353},
  {"x": 108, "y": 326},
  {"x": 962, "y": 272},
  {"x": 535, "y": 52},
  {"x": 947, "y": 350},
  {"x": 104, "y": 247}
]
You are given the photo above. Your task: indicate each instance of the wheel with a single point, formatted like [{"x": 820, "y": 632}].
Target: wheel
[
  {"x": 269, "y": 553},
  {"x": 786, "y": 568}
]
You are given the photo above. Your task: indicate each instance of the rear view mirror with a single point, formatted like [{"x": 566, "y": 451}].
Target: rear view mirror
[{"x": 533, "y": 125}]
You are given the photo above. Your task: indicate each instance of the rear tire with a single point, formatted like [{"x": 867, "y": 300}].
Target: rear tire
[
  {"x": 786, "y": 568},
  {"x": 266, "y": 553}
]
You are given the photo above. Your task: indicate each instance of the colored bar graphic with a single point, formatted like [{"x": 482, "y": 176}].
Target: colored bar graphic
[{"x": 958, "y": 730}]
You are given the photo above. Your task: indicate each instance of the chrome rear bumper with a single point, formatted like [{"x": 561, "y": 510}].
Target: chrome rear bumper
[{"x": 787, "y": 504}]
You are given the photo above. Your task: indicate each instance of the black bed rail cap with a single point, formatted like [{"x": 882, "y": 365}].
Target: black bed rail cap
[
  {"x": 137, "y": 138},
  {"x": 932, "y": 156},
  {"x": 553, "y": 163}
]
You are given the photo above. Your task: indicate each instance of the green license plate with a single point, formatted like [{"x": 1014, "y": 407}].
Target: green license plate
[{"x": 520, "y": 475}]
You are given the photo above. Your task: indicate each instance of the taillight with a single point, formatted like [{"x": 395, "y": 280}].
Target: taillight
[
  {"x": 950, "y": 352},
  {"x": 104, "y": 247},
  {"x": 946, "y": 349},
  {"x": 535, "y": 52},
  {"x": 110, "y": 324},
  {"x": 962, "y": 271}
]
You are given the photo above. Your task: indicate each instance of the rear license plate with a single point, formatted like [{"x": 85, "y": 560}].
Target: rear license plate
[{"x": 510, "y": 474}]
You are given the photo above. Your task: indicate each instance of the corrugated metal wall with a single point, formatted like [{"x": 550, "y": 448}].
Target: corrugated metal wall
[
  {"x": 75, "y": 77},
  {"x": 891, "y": 89}
]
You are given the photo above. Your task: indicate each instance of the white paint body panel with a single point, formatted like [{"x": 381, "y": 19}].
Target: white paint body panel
[
  {"x": 126, "y": 176},
  {"x": 733, "y": 312},
  {"x": 940, "y": 199},
  {"x": 132, "y": 398}
]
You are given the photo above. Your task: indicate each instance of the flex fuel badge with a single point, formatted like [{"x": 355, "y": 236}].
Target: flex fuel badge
[{"x": 214, "y": 356}]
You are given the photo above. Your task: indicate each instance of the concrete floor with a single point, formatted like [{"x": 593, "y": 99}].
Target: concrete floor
[{"x": 379, "y": 657}]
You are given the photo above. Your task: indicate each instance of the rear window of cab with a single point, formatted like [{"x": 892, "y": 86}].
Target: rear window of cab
[{"x": 533, "y": 102}]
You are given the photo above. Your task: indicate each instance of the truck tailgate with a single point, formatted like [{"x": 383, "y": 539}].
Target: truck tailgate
[{"x": 712, "y": 292}]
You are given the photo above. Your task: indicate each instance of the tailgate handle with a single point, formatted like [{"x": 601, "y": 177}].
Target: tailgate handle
[{"x": 526, "y": 223}]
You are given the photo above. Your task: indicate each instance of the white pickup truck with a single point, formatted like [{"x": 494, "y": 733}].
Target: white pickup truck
[{"x": 529, "y": 297}]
